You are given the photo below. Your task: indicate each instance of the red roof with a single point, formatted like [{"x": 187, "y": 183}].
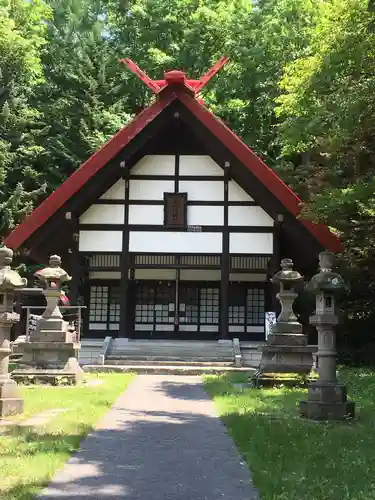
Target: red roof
[{"x": 180, "y": 90}]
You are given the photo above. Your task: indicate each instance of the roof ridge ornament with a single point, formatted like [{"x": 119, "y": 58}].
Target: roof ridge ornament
[{"x": 175, "y": 76}]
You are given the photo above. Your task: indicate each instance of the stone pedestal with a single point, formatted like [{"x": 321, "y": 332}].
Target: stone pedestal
[
  {"x": 10, "y": 281},
  {"x": 286, "y": 351},
  {"x": 10, "y": 401},
  {"x": 327, "y": 398},
  {"x": 51, "y": 355}
]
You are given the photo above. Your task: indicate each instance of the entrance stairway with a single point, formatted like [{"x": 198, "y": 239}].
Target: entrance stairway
[{"x": 167, "y": 352}]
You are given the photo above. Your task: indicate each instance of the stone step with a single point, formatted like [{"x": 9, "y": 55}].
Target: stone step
[
  {"x": 170, "y": 345},
  {"x": 130, "y": 346},
  {"x": 183, "y": 352},
  {"x": 167, "y": 370},
  {"x": 167, "y": 355},
  {"x": 166, "y": 362}
]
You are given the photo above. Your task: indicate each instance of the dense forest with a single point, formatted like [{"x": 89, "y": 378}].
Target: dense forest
[{"x": 299, "y": 89}]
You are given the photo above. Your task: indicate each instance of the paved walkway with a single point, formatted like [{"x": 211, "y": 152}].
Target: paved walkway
[{"x": 161, "y": 440}]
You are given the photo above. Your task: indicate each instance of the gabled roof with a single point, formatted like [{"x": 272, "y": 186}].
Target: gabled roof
[{"x": 176, "y": 88}]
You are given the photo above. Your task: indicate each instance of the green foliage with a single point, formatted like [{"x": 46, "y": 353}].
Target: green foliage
[
  {"x": 22, "y": 38},
  {"x": 326, "y": 133},
  {"x": 299, "y": 90}
]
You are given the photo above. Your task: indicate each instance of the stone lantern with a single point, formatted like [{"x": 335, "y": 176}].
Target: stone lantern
[
  {"x": 53, "y": 348},
  {"x": 327, "y": 399},
  {"x": 286, "y": 351},
  {"x": 10, "y": 281},
  {"x": 288, "y": 280},
  {"x": 52, "y": 279}
]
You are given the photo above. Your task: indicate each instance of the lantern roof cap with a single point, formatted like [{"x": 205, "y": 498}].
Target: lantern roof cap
[{"x": 9, "y": 279}]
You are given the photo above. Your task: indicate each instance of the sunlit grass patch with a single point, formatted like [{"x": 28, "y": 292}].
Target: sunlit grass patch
[
  {"x": 29, "y": 458},
  {"x": 296, "y": 459}
]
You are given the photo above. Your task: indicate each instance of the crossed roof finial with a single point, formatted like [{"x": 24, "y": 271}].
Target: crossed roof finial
[{"x": 175, "y": 76}]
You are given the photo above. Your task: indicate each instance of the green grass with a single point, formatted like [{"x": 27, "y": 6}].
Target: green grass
[
  {"x": 28, "y": 460},
  {"x": 295, "y": 459}
]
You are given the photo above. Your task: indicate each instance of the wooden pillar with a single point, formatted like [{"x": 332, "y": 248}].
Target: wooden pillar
[
  {"x": 275, "y": 264},
  {"x": 76, "y": 268},
  {"x": 125, "y": 265},
  {"x": 86, "y": 296},
  {"x": 225, "y": 264}
]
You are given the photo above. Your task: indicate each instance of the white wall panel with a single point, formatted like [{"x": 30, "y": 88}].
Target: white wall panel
[
  {"x": 199, "y": 165},
  {"x": 116, "y": 192},
  {"x": 236, "y": 193},
  {"x": 155, "y": 274},
  {"x": 140, "y": 189},
  {"x": 164, "y": 241},
  {"x": 97, "y": 326},
  {"x": 103, "y": 214},
  {"x": 146, "y": 214},
  {"x": 255, "y": 329},
  {"x": 205, "y": 215},
  {"x": 155, "y": 165},
  {"x": 248, "y": 216},
  {"x": 100, "y": 241},
  {"x": 105, "y": 275},
  {"x": 200, "y": 275},
  {"x": 251, "y": 243},
  {"x": 203, "y": 190}
]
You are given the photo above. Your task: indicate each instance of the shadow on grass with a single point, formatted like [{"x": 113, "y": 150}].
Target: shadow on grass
[
  {"x": 292, "y": 458},
  {"x": 44, "y": 443},
  {"x": 175, "y": 453},
  {"x": 164, "y": 453}
]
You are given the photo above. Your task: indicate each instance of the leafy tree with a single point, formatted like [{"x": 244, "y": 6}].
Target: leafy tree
[
  {"x": 326, "y": 133},
  {"x": 22, "y": 32}
]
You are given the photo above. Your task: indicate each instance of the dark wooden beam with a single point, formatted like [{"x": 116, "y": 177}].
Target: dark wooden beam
[
  {"x": 225, "y": 266},
  {"x": 125, "y": 266}
]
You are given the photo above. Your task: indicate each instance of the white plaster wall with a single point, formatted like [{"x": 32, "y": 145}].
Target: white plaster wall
[
  {"x": 236, "y": 193},
  {"x": 140, "y": 189},
  {"x": 155, "y": 165},
  {"x": 251, "y": 243},
  {"x": 205, "y": 215},
  {"x": 105, "y": 275},
  {"x": 155, "y": 274},
  {"x": 203, "y": 190},
  {"x": 146, "y": 214},
  {"x": 103, "y": 214},
  {"x": 100, "y": 241},
  {"x": 97, "y": 326},
  {"x": 259, "y": 278},
  {"x": 158, "y": 241},
  {"x": 248, "y": 216},
  {"x": 200, "y": 275},
  {"x": 255, "y": 329},
  {"x": 116, "y": 192},
  {"x": 199, "y": 165}
]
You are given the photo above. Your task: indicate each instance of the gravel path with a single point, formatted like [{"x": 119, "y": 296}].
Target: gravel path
[{"x": 161, "y": 440}]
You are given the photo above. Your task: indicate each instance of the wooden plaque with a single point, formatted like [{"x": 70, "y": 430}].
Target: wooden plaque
[{"x": 175, "y": 210}]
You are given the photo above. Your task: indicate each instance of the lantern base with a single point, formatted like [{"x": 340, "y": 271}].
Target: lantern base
[
  {"x": 316, "y": 410},
  {"x": 327, "y": 401},
  {"x": 10, "y": 402},
  {"x": 50, "y": 373},
  {"x": 287, "y": 358}
]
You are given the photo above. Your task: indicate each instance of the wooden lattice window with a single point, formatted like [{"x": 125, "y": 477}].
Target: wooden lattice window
[{"x": 255, "y": 306}]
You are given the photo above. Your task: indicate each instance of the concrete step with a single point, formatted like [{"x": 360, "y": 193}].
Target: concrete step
[
  {"x": 167, "y": 348},
  {"x": 172, "y": 361},
  {"x": 169, "y": 352},
  {"x": 166, "y": 370}
]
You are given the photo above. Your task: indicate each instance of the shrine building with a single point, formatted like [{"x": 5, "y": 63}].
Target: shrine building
[{"x": 174, "y": 227}]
